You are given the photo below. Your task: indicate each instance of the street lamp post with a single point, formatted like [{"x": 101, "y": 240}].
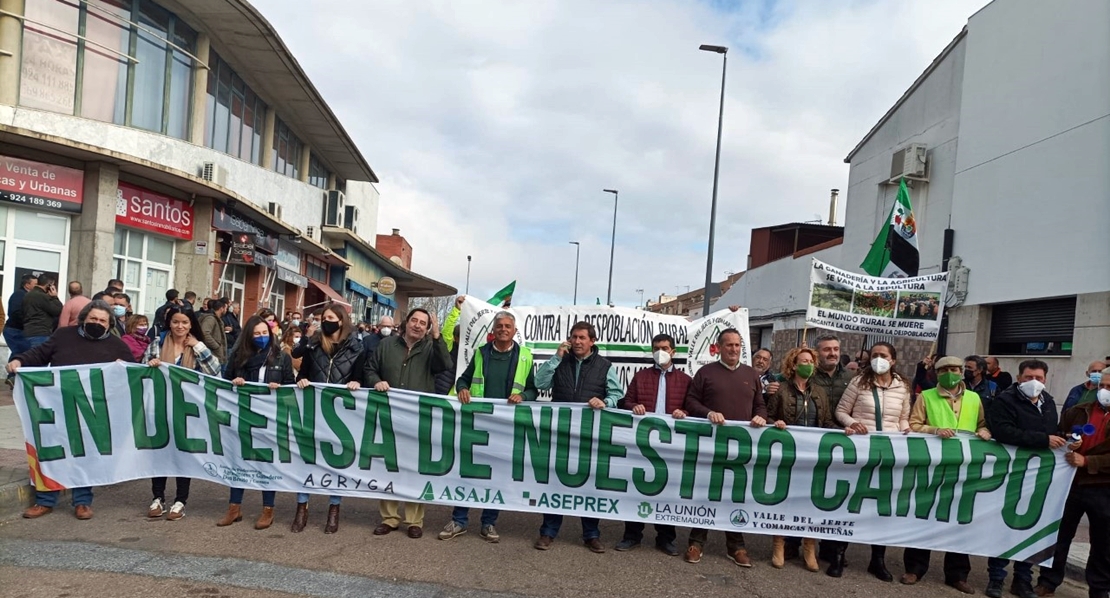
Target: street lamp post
[
  {"x": 641, "y": 292},
  {"x": 467, "y": 292},
  {"x": 577, "y": 254},
  {"x": 612, "y": 245},
  {"x": 723, "y": 51}
]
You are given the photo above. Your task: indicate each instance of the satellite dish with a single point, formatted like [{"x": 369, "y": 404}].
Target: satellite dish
[{"x": 396, "y": 260}]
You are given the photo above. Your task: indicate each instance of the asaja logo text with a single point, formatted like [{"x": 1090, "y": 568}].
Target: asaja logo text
[{"x": 463, "y": 494}]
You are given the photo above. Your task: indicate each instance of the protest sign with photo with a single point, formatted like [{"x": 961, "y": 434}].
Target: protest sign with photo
[{"x": 908, "y": 307}]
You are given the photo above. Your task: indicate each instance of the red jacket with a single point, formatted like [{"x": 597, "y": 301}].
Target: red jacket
[{"x": 644, "y": 388}]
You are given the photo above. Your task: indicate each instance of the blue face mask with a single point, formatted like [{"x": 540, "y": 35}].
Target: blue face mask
[
  {"x": 119, "y": 310},
  {"x": 1096, "y": 378},
  {"x": 262, "y": 341}
]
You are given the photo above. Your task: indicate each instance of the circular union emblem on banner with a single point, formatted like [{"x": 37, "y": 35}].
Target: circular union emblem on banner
[
  {"x": 386, "y": 285},
  {"x": 739, "y": 518},
  {"x": 211, "y": 469}
]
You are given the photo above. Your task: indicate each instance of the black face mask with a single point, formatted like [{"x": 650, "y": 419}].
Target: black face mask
[
  {"x": 969, "y": 375},
  {"x": 94, "y": 330},
  {"x": 329, "y": 328}
]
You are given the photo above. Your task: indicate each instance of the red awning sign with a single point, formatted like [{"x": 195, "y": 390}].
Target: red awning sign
[
  {"x": 42, "y": 186},
  {"x": 146, "y": 210}
]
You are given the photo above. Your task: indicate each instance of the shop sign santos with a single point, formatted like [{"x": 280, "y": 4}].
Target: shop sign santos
[{"x": 149, "y": 211}]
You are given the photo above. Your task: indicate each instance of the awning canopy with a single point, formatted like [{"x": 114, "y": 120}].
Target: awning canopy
[{"x": 333, "y": 297}]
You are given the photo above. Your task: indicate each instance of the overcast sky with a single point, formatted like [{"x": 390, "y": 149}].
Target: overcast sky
[{"x": 494, "y": 126}]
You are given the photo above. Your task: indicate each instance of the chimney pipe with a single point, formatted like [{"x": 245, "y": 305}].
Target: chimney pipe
[
  {"x": 832, "y": 206},
  {"x": 396, "y": 232}
]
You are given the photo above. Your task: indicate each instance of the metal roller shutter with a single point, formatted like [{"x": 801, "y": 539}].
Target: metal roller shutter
[{"x": 1052, "y": 320}]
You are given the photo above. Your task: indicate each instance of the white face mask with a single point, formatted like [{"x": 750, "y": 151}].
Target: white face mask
[
  {"x": 662, "y": 358},
  {"x": 385, "y": 331},
  {"x": 295, "y": 322},
  {"x": 1032, "y": 388},
  {"x": 1104, "y": 397},
  {"x": 880, "y": 366}
]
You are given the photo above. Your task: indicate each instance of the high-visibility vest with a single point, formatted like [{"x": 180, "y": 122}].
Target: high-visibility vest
[
  {"x": 520, "y": 378},
  {"x": 941, "y": 415}
]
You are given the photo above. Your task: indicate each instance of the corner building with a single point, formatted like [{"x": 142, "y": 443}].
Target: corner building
[
  {"x": 1008, "y": 141},
  {"x": 176, "y": 144}
]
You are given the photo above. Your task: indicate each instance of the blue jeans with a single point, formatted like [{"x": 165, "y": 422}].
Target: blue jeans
[
  {"x": 267, "y": 497},
  {"x": 332, "y": 500},
  {"x": 17, "y": 343},
  {"x": 552, "y": 523},
  {"x": 81, "y": 496},
  {"x": 996, "y": 570},
  {"x": 34, "y": 341},
  {"x": 461, "y": 515}
]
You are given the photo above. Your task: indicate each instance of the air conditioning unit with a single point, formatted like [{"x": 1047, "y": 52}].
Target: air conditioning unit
[
  {"x": 312, "y": 232},
  {"x": 274, "y": 208},
  {"x": 334, "y": 208},
  {"x": 350, "y": 219},
  {"x": 214, "y": 173},
  {"x": 909, "y": 162}
]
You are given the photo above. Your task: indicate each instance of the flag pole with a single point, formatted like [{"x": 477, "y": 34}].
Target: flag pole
[{"x": 804, "y": 331}]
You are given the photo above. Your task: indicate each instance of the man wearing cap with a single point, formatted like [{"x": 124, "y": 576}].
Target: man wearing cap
[{"x": 946, "y": 410}]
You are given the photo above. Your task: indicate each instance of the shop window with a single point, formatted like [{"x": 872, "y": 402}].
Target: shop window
[
  {"x": 144, "y": 263},
  {"x": 40, "y": 227},
  {"x": 19, "y": 254},
  {"x": 38, "y": 259},
  {"x": 233, "y": 281},
  {"x": 130, "y": 72},
  {"x": 277, "y": 299},
  {"x": 1033, "y": 327}
]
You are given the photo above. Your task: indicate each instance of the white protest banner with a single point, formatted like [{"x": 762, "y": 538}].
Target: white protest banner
[
  {"x": 623, "y": 334},
  {"x": 96, "y": 425},
  {"x": 843, "y": 300}
]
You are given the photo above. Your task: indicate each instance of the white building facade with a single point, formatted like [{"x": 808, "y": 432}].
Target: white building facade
[
  {"x": 175, "y": 144},
  {"x": 1015, "y": 116}
]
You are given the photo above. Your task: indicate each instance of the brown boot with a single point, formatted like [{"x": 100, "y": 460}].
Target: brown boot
[
  {"x": 233, "y": 515},
  {"x": 332, "y": 524},
  {"x": 300, "y": 518},
  {"x": 809, "y": 554},
  {"x": 778, "y": 552},
  {"x": 266, "y": 519}
]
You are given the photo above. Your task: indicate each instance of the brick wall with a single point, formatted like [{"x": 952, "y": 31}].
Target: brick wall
[{"x": 395, "y": 245}]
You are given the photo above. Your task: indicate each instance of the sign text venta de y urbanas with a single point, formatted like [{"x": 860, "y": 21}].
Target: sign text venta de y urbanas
[{"x": 97, "y": 425}]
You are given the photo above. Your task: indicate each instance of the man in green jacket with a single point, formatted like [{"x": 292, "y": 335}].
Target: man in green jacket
[
  {"x": 409, "y": 361},
  {"x": 501, "y": 369},
  {"x": 832, "y": 377}
]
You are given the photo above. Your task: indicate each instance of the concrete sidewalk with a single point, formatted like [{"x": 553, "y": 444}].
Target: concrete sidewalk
[{"x": 16, "y": 493}]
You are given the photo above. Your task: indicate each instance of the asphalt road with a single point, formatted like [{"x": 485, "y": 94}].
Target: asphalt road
[{"x": 120, "y": 553}]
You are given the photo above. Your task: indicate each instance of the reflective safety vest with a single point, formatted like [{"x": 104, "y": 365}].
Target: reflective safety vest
[
  {"x": 520, "y": 377},
  {"x": 941, "y": 415}
]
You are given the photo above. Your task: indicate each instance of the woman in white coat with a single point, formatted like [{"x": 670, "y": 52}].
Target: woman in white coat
[{"x": 877, "y": 400}]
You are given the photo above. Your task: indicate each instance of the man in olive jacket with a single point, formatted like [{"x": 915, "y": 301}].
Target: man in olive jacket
[{"x": 409, "y": 361}]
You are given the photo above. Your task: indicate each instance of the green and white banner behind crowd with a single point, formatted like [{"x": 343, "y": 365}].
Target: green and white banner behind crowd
[
  {"x": 623, "y": 334},
  {"x": 98, "y": 425}
]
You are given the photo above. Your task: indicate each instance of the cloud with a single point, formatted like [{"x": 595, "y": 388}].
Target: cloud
[{"x": 494, "y": 126}]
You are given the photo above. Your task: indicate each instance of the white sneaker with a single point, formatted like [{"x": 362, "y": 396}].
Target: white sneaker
[
  {"x": 177, "y": 511},
  {"x": 451, "y": 530},
  {"x": 157, "y": 509}
]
